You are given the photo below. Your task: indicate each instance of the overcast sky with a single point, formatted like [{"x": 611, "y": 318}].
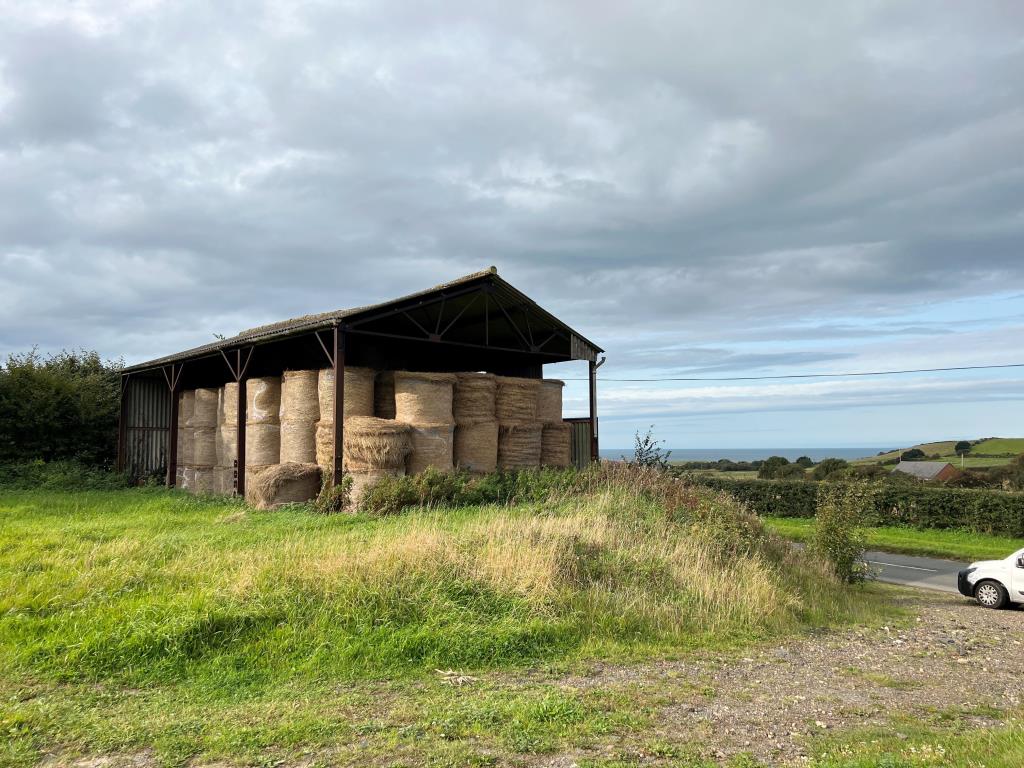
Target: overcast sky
[{"x": 706, "y": 189}]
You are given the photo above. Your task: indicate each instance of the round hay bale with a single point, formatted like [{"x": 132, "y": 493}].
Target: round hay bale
[
  {"x": 227, "y": 445},
  {"x": 384, "y": 395},
  {"x": 424, "y": 398},
  {"x": 325, "y": 445},
  {"x": 516, "y": 399},
  {"x": 204, "y": 408},
  {"x": 186, "y": 445},
  {"x": 204, "y": 447},
  {"x": 288, "y": 483},
  {"x": 224, "y": 480},
  {"x": 298, "y": 442},
  {"x": 376, "y": 444},
  {"x": 186, "y": 405},
  {"x": 549, "y": 401},
  {"x": 204, "y": 480},
  {"x": 186, "y": 479},
  {"x": 179, "y": 476},
  {"x": 263, "y": 400},
  {"x": 300, "y": 396},
  {"x": 519, "y": 445},
  {"x": 473, "y": 397},
  {"x": 229, "y": 404},
  {"x": 358, "y": 392},
  {"x": 363, "y": 480},
  {"x": 262, "y": 444},
  {"x": 432, "y": 446},
  {"x": 476, "y": 446},
  {"x": 554, "y": 445}
]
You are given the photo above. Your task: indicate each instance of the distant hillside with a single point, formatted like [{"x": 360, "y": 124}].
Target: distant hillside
[{"x": 985, "y": 452}]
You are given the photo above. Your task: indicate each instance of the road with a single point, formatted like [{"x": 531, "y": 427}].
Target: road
[{"x": 924, "y": 572}]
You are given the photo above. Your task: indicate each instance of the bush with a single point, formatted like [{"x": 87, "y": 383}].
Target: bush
[
  {"x": 805, "y": 461},
  {"x": 647, "y": 451},
  {"x": 912, "y": 454},
  {"x": 64, "y": 406},
  {"x": 911, "y": 504},
  {"x": 790, "y": 472},
  {"x": 65, "y": 475},
  {"x": 772, "y": 467},
  {"x": 961, "y": 448},
  {"x": 838, "y": 538},
  {"x": 830, "y": 469}
]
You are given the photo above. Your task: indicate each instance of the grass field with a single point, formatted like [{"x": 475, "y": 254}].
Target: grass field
[
  {"x": 151, "y": 621},
  {"x": 996, "y": 451},
  {"x": 953, "y": 544}
]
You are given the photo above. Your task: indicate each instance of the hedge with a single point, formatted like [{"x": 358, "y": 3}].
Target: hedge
[{"x": 983, "y": 511}]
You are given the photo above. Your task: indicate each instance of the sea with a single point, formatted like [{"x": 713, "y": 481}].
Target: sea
[{"x": 750, "y": 454}]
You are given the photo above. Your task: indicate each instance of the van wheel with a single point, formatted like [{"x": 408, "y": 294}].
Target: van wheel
[{"x": 991, "y": 594}]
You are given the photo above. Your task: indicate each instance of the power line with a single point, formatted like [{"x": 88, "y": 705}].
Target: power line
[{"x": 815, "y": 375}]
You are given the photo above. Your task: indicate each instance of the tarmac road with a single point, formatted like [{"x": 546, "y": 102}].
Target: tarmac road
[{"x": 924, "y": 572}]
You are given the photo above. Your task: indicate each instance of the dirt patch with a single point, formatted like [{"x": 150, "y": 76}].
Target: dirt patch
[{"x": 954, "y": 655}]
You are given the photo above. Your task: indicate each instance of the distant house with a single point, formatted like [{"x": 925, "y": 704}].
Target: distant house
[{"x": 927, "y": 470}]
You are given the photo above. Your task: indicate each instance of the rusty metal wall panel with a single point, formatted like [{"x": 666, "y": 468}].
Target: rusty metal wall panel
[
  {"x": 147, "y": 425},
  {"x": 579, "y": 442}
]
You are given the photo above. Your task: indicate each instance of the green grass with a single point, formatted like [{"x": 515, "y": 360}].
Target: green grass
[
  {"x": 953, "y": 544},
  {"x": 994, "y": 452},
  {"x": 944, "y": 739},
  {"x": 150, "y": 620}
]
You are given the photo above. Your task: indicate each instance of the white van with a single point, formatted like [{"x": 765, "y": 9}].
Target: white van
[{"x": 994, "y": 583}]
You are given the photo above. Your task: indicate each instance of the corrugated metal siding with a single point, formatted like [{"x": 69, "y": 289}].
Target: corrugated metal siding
[
  {"x": 579, "y": 442},
  {"x": 147, "y": 424}
]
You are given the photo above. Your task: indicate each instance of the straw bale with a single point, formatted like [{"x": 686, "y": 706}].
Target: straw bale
[
  {"x": 549, "y": 401},
  {"x": 262, "y": 444},
  {"x": 325, "y": 445},
  {"x": 204, "y": 480},
  {"x": 229, "y": 404},
  {"x": 519, "y": 444},
  {"x": 288, "y": 483},
  {"x": 298, "y": 442},
  {"x": 554, "y": 445},
  {"x": 227, "y": 445},
  {"x": 473, "y": 397},
  {"x": 300, "y": 396},
  {"x": 384, "y": 395},
  {"x": 179, "y": 476},
  {"x": 263, "y": 400},
  {"x": 358, "y": 392},
  {"x": 204, "y": 447},
  {"x": 516, "y": 399},
  {"x": 363, "y": 480},
  {"x": 186, "y": 445},
  {"x": 476, "y": 445},
  {"x": 224, "y": 480},
  {"x": 186, "y": 405},
  {"x": 432, "y": 446},
  {"x": 204, "y": 408},
  {"x": 186, "y": 479},
  {"x": 376, "y": 444},
  {"x": 424, "y": 398}
]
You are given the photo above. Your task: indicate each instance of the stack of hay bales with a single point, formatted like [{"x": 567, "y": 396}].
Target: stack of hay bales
[
  {"x": 300, "y": 410},
  {"x": 183, "y": 474},
  {"x": 374, "y": 448},
  {"x": 203, "y": 425},
  {"x": 519, "y": 432},
  {"x": 476, "y": 427},
  {"x": 262, "y": 425},
  {"x": 227, "y": 440},
  {"x": 556, "y": 434},
  {"x": 384, "y": 395},
  {"x": 424, "y": 402},
  {"x": 358, "y": 402}
]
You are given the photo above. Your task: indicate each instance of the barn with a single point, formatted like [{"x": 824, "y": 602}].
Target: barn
[{"x": 276, "y": 394}]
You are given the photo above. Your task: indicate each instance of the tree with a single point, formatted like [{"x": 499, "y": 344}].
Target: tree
[
  {"x": 790, "y": 472},
  {"x": 63, "y": 406},
  {"x": 961, "y": 448},
  {"x": 830, "y": 469},
  {"x": 805, "y": 461},
  {"x": 771, "y": 466},
  {"x": 912, "y": 454},
  {"x": 838, "y": 537},
  {"x": 647, "y": 451}
]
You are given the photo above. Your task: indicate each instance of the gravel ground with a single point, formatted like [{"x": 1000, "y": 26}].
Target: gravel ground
[{"x": 953, "y": 655}]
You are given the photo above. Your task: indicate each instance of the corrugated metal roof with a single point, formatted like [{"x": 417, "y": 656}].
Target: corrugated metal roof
[
  {"x": 924, "y": 470},
  {"x": 322, "y": 320}
]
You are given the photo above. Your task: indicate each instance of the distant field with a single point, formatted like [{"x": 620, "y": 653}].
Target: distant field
[{"x": 995, "y": 452}]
